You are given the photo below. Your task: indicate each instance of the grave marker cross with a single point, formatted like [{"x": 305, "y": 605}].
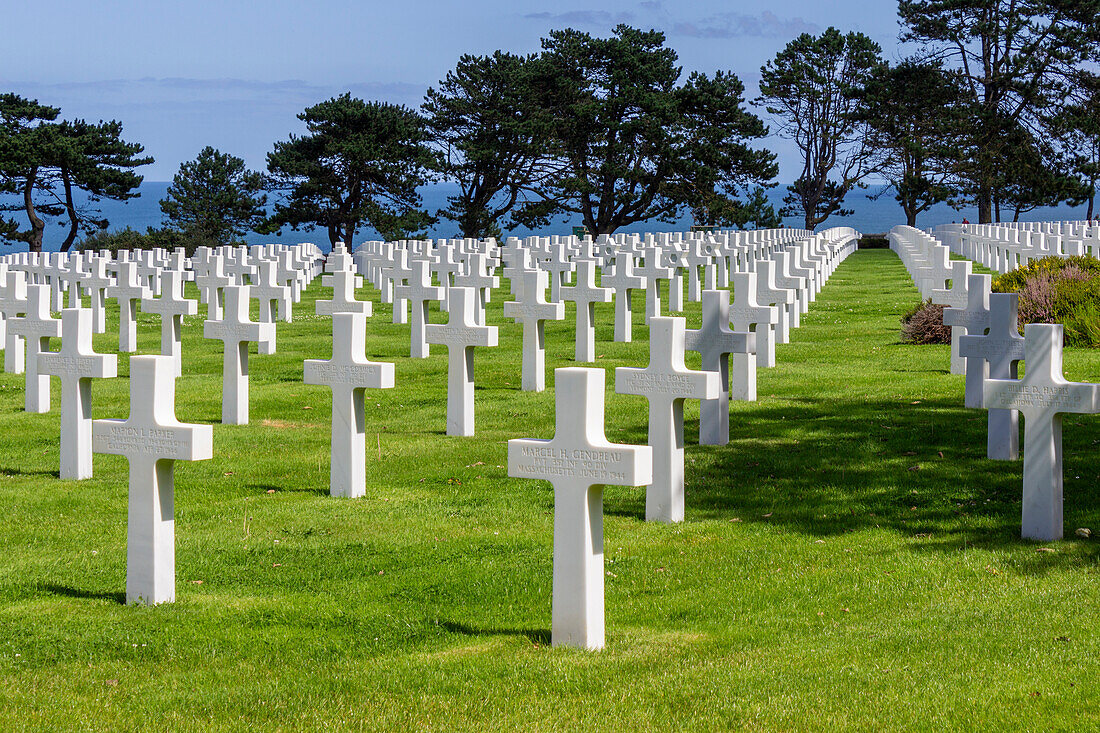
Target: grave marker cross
[
  {"x": 622, "y": 281},
  {"x": 666, "y": 383},
  {"x": 127, "y": 290},
  {"x": 76, "y": 365},
  {"x": 532, "y": 310},
  {"x": 460, "y": 335},
  {"x": 579, "y": 461},
  {"x": 235, "y": 331},
  {"x": 1042, "y": 396},
  {"x": 585, "y": 294},
  {"x": 152, "y": 439},
  {"x": 715, "y": 341},
  {"x": 975, "y": 319},
  {"x": 349, "y": 373},
  {"x": 419, "y": 292},
  {"x": 1002, "y": 349},
  {"x": 37, "y": 326},
  {"x": 172, "y": 307}
]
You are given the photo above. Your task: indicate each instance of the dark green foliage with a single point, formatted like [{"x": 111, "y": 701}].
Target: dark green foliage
[
  {"x": 45, "y": 161},
  {"x": 632, "y": 145},
  {"x": 214, "y": 198},
  {"x": 167, "y": 239},
  {"x": 485, "y": 120},
  {"x": 361, "y": 163},
  {"x": 1017, "y": 59},
  {"x": 814, "y": 87},
  {"x": 923, "y": 324}
]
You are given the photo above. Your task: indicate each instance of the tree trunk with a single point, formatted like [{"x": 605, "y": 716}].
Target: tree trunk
[
  {"x": 70, "y": 208},
  {"x": 985, "y": 204},
  {"x": 38, "y": 227},
  {"x": 1092, "y": 200}
]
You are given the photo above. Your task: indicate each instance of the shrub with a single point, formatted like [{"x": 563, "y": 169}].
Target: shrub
[
  {"x": 132, "y": 239},
  {"x": 923, "y": 324},
  {"x": 1062, "y": 290}
]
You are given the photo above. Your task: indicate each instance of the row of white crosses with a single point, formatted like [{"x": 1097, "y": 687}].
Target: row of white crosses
[
  {"x": 1007, "y": 246},
  {"x": 151, "y": 439},
  {"x": 791, "y": 272},
  {"x": 992, "y": 349}
]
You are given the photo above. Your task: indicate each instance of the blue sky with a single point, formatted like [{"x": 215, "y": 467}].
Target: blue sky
[{"x": 234, "y": 74}]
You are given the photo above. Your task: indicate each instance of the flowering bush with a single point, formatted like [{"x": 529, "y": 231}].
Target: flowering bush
[{"x": 1062, "y": 290}]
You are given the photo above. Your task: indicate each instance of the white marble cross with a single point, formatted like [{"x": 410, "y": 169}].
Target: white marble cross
[
  {"x": 769, "y": 293},
  {"x": 460, "y": 335},
  {"x": 956, "y": 297},
  {"x": 127, "y": 290},
  {"x": 579, "y": 461},
  {"x": 95, "y": 283},
  {"x": 152, "y": 439},
  {"x": 76, "y": 365},
  {"x": 623, "y": 280},
  {"x": 37, "y": 326},
  {"x": 478, "y": 275},
  {"x": 172, "y": 307},
  {"x": 419, "y": 292},
  {"x": 1042, "y": 396},
  {"x": 349, "y": 373},
  {"x": 269, "y": 293},
  {"x": 558, "y": 266},
  {"x": 975, "y": 320},
  {"x": 715, "y": 341},
  {"x": 235, "y": 330},
  {"x": 585, "y": 294},
  {"x": 746, "y": 314},
  {"x": 343, "y": 284},
  {"x": 1002, "y": 349},
  {"x": 654, "y": 272},
  {"x": 532, "y": 310},
  {"x": 212, "y": 281},
  {"x": 666, "y": 383},
  {"x": 13, "y": 301}
]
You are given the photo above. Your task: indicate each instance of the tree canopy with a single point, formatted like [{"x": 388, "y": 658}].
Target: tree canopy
[
  {"x": 215, "y": 197},
  {"x": 1017, "y": 59},
  {"x": 360, "y": 163},
  {"x": 491, "y": 133},
  {"x": 814, "y": 87},
  {"x": 630, "y": 144},
  {"x": 46, "y": 162}
]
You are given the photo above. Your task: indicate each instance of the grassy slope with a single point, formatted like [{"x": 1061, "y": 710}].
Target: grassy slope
[{"x": 850, "y": 560}]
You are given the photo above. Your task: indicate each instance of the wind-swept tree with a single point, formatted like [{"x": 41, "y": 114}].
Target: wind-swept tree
[
  {"x": 1017, "y": 59},
  {"x": 360, "y": 163},
  {"x": 814, "y": 88},
  {"x": 215, "y": 197},
  {"x": 47, "y": 162},
  {"x": 492, "y": 136},
  {"x": 630, "y": 143},
  {"x": 915, "y": 119}
]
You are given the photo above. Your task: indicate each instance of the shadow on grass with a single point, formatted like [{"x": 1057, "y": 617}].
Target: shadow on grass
[
  {"x": 62, "y": 590},
  {"x": 828, "y": 467},
  {"x": 4, "y": 471},
  {"x": 536, "y": 636},
  {"x": 264, "y": 488}
]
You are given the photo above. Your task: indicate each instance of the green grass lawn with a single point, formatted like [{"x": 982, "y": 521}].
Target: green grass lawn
[{"x": 850, "y": 561}]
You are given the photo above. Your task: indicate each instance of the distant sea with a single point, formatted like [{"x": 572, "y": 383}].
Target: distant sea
[{"x": 871, "y": 216}]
